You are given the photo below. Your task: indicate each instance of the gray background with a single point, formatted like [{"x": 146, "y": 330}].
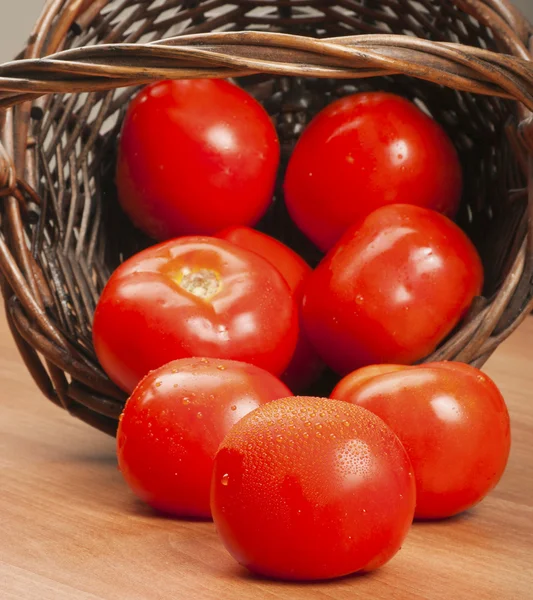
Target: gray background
[{"x": 18, "y": 20}]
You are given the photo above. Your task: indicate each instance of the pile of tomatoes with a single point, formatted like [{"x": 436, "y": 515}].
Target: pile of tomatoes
[{"x": 213, "y": 330}]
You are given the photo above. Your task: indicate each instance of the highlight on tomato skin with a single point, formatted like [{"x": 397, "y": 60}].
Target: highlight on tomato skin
[
  {"x": 195, "y": 156},
  {"x": 193, "y": 296},
  {"x": 451, "y": 419},
  {"x": 391, "y": 290},
  {"x": 363, "y": 152},
  {"x": 175, "y": 420},
  {"x": 310, "y": 489},
  {"x": 306, "y": 367}
]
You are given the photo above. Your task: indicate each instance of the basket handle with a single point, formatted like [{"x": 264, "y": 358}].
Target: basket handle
[{"x": 228, "y": 54}]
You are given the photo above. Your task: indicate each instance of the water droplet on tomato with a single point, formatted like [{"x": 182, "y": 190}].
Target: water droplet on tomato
[
  {"x": 186, "y": 401},
  {"x": 225, "y": 479},
  {"x": 199, "y": 415},
  {"x": 234, "y": 407}
]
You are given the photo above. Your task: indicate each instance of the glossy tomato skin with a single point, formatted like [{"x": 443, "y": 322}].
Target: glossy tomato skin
[
  {"x": 193, "y": 296},
  {"x": 305, "y": 367},
  {"x": 174, "y": 422},
  {"x": 394, "y": 286},
  {"x": 366, "y": 151},
  {"x": 453, "y": 423},
  {"x": 304, "y": 489},
  {"x": 290, "y": 264},
  {"x": 195, "y": 156}
]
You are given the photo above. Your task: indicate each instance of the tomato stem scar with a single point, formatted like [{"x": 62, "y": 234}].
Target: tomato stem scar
[{"x": 204, "y": 283}]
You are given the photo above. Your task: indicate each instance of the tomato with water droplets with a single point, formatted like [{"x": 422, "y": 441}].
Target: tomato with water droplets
[
  {"x": 310, "y": 488},
  {"x": 452, "y": 421},
  {"x": 174, "y": 422},
  {"x": 193, "y": 296}
]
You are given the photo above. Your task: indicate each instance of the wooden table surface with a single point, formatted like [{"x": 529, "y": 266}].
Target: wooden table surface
[{"x": 71, "y": 530}]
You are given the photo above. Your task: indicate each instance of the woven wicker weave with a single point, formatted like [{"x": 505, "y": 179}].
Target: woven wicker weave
[{"x": 62, "y": 233}]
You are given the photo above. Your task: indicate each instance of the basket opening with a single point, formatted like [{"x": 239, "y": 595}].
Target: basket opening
[{"x": 77, "y": 135}]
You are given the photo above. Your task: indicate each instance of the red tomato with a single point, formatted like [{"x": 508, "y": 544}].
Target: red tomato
[
  {"x": 393, "y": 288},
  {"x": 305, "y": 367},
  {"x": 193, "y": 296},
  {"x": 453, "y": 423},
  {"x": 195, "y": 156},
  {"x": 363, "y": 152},
  {"x": 291, "y": 265},
  {"x": 308, "y": 488},
  {"x": 174, "y": 422}
]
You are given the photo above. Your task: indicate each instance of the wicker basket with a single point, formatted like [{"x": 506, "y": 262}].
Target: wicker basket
[{"x": 62, "y": 234}]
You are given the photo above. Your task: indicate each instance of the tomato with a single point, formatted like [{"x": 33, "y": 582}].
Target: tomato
[
  {"x": 391, "y": 290},
  {"x": 366, "y": 151},
  {"x": 453, "y": 423},
  {"x": 195, "y": 156},
  {"x": 305, "y": 367},
  {"x": 291, "y": 265},
  {"x": 174, "y": 422},
  {"x": 310, "y": 488},
  {"x": 193, "y": 296}
]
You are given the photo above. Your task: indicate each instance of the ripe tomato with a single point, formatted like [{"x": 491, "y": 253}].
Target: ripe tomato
[
  {"x": 305, "y": 367},
  {"x": 193, "y": 296},
  {"x": 291, "y": 265},
  {"x": 365, "y": 151},
  {"x": 393, "y": 288},
  {"x": 308, "y": 488},
  {"x": 174, "y": 422},
  {"x": 195, "y": 156},
  {"x": 453, "y": 423}
]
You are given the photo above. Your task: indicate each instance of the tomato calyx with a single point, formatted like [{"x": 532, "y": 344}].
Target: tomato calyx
[{"x": 202, "y": 283}]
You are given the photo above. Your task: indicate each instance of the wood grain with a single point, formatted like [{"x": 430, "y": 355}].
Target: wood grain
[{"x": 71, "y": 530}]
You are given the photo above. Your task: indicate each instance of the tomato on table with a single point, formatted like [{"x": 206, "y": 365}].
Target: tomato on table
[
  {"x": 365, "y": 151},
  {"x": 174, "y": 422},
  {"x": 193, "y": 296},
  {"x": 310, "y": 488},
  {"x": 453, "y": 423},
  {"x": 195, "y": 156},
  {"x": 391, "y": 290},
  {"x": 305, "y": 367}
]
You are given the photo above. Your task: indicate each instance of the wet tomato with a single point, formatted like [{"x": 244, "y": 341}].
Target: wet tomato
[
  {"x": 193, "y": 296},
  {"x": 309, "y": 488},
  {"x": 452, "y": 421},
  {"x": 174, "y": 422}
]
